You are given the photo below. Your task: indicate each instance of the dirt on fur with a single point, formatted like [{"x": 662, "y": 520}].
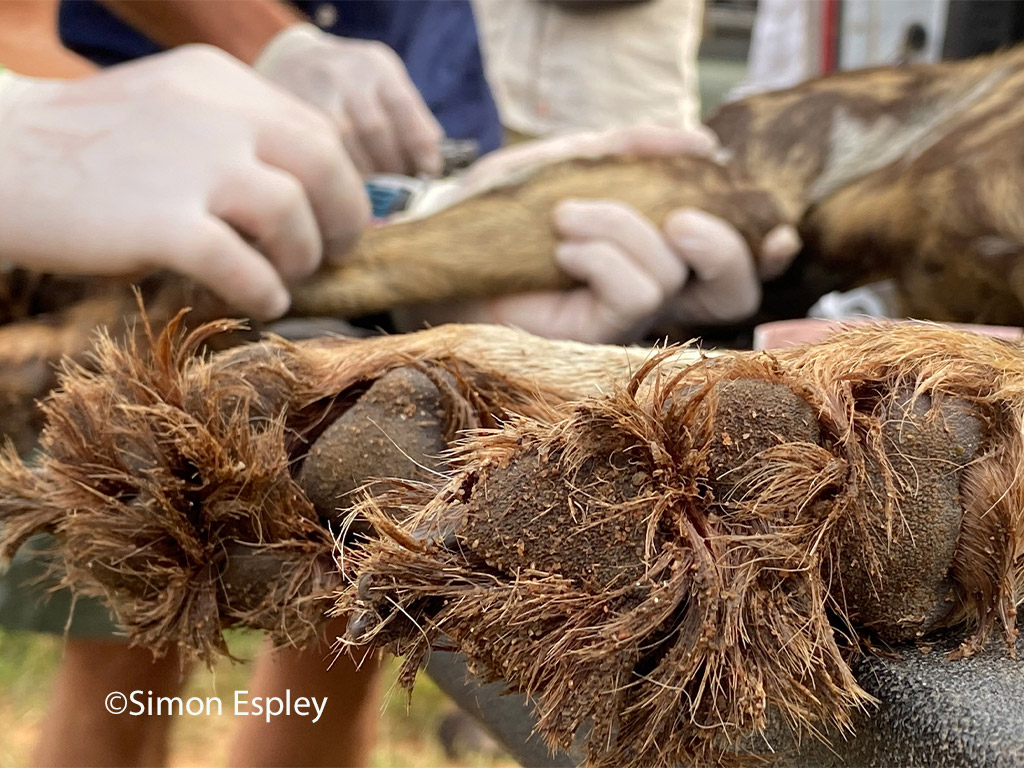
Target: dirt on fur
[
  {"x": 663, "y": 555},
  {"x": 665, "y": 567},
  {"x": 528, "y": 516},
  {"x": 394, "y": 430},
  {"x": 191, "y": 491},
  {"x": 927, "y": 449}
]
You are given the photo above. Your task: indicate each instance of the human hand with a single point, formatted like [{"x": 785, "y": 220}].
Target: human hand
[
  {"x": 511, "y": 164},
  {"x": 696, "y": 268},
  {"x": 364, "y": 87},
  {"x": 184, "y": 161}
]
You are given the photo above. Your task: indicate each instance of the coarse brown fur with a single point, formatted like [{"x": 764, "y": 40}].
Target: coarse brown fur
[
  {"x": 664, "y": 553},
  {"x": 667, "y": 552},
  {"x": 664, "y": 567},
  {"x": 168, "y": 475},
  {"x": 47, "y": 318},
  {"x": 943, "y": 218},
  {"x": 909, "y": 172},
  {"x": 503, "y": 240}
]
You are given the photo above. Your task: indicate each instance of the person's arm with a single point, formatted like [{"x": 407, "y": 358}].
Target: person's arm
[
  {"x": 29, "y": 42},
  {"x": 694, "y": 267},
  {"x": 241, "y": 28}
]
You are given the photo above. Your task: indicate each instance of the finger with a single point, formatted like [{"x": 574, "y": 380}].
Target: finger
[
  {"x": 620, "y": 295},
  {"x": 376, "y": 132},
  {"x": 520, "y": 158},
  {"x": 216, "y": 256},
  {"x": 724, "y": 285},
  {"x": 639, "y": 141},
  {"x": 528, "y": 154},
  {"x": 360, "y": 157},
  {"x": 420, "y": 133},
  {"x": 347, "y": 131},
  {"x": 270, "y": 207},
  {"x": 778, "y": 249},
  {"x": 314, "y": 155},
  {"x": 629, "y": 230},
  {"x": 654, "y": 140}
]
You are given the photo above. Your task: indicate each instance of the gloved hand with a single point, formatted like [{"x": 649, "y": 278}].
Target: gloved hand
[
  {"x": 184, "y": 161},
  {"x": 696, "y": 269},
  {"x": 364, "y": 87}
]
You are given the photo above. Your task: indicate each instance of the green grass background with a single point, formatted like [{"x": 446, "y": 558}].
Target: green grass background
[{"x": 28, "y": 664}]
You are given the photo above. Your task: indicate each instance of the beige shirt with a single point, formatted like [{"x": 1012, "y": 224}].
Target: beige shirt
[
  {"x": 554, "y": 69},
  {"x": 783, "y": 47}
]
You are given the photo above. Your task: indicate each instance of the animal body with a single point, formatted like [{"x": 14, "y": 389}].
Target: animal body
[
  {"x": 669, "y": 548},
  {"x": 911, "y": 172},
  {"x": 668, "y": 568},
  {"x": 227, "y": 478}
]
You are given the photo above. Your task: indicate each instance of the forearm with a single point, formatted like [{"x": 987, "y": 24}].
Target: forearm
[
  {"x": 29, "y": 44},
  {"x": 241, "y": 27}
]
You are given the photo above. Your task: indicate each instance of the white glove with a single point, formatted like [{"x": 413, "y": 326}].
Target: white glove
[
  {"x": 698, "y": 269},
  {"x": 364, "y": 87},
  {"x": 511, "y": 163},
  {"x": 184, "y": 161}
]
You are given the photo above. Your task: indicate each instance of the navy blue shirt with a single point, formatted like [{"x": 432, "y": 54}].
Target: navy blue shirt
[{"x": 437, "y": 40}]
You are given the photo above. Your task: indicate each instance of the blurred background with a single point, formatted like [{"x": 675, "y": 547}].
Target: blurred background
[
  {"x": 814, "y": 37},
  {"x": 426, "y": 731}
]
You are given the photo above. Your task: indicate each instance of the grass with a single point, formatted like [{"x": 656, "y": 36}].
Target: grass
[
  {"x": 29, "y": 662},
  {"x": 27, "y": 665}
]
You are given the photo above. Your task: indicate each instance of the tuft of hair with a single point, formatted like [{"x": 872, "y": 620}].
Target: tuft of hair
[
  {"x": 661, "y": 610},
  {"x": 169, "y": 474}
]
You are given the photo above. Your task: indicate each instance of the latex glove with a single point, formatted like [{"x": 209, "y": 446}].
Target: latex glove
[
  {"x": 185, "y": 161},
  {"x": 697, "y": 268},
  {"x": 509, "y": 164},
  {"x": 364, "y": 87}
]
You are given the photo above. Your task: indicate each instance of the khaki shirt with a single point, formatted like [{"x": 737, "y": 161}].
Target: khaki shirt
[{"x": 556, "y": 69}]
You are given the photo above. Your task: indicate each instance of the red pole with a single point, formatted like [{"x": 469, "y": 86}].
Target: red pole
[{"x": 830, "y": 24}]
